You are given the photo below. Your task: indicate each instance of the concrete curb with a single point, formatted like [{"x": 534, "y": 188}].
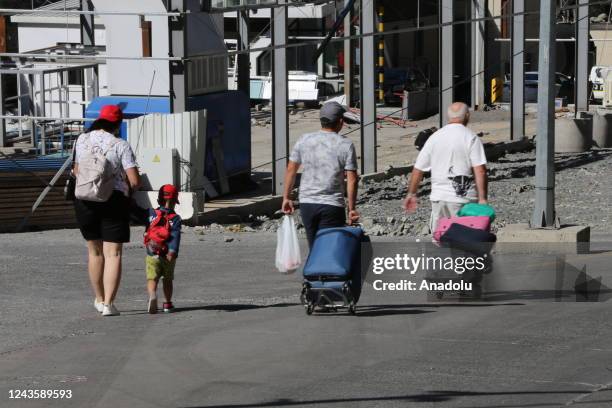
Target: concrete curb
[{"x": 238, "y": 213}]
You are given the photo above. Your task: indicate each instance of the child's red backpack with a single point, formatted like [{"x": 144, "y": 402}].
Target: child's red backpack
[{"x": 158, "y": 233}]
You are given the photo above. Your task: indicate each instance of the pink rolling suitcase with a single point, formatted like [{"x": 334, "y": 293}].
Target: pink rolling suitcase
[{"x": 482, "y": 223}]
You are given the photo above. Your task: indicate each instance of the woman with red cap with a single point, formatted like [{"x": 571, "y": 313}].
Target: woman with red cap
[{"x": 105, "y": 224}]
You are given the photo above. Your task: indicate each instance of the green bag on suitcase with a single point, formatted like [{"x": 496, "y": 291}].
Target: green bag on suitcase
[{"x": 477, "y": 210}]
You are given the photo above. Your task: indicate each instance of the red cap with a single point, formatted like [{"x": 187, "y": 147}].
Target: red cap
[
  {"x": 112, "y": 113},
  {"x": 168, "y": 192}
]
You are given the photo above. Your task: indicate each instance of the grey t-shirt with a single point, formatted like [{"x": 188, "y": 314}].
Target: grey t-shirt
[{"x": 324, "y": 157}]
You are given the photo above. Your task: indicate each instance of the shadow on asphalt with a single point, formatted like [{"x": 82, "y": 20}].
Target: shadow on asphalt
[
  {"x": 431, "y": 396},
  {"x": 232, "y": 307},
  {"x": 221, "y": 308},
  {"x": 407, "y": 309},
  {"x": 364, "y": 311},
  {"x": 575, "y": 296}
]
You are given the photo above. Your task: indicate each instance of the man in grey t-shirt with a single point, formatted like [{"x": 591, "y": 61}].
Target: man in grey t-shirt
[{"x": 326, "y": 158}]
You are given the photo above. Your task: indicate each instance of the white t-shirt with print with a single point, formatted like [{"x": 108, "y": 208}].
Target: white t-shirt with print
[
  {"x": 120, "y": 155},
  {"x": 450, "y": 154}
]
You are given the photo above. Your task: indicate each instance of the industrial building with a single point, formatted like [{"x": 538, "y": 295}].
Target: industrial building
[{"x": 215, "y": 57}]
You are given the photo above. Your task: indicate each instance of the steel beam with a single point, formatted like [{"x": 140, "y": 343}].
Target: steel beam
[
  {"x": 478, "y": 54},
  {"x": 517, "y": 105},
  {"x": 92, "y": 85},
  {"x": 349, "y": 57},
  {"x": 178, "y": 49},
  {"x": 280, "y": 96},
  {"x": 242, "y": 60},
  {"x": 41, "y": 112},
  {"x": 87, "y": 24},
  {"x": 3, "y": 140},
  {"x": 544, "y": 212},
  {"x": 368, "y": 87},
  {"x": 446, "y": 58},
  {"x": 581, "y": 92}
]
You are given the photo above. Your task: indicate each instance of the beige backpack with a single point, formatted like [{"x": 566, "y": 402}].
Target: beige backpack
[{"x": 95, "y": 179}]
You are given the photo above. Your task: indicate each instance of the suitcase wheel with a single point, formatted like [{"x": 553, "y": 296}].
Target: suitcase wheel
[
  {"x": 309, "y": 309},
  {"x": 305, "y": 295},
  {"x": 352, "y": 308}
]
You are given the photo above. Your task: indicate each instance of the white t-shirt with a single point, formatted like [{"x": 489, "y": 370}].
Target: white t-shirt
[
  {"x": 450, "y": 154},
  {"x": 120, "y": 155}
]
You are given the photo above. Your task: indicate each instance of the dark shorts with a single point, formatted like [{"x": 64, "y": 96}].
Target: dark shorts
[
  {"x": 319, "y": 216},
  {"x": 108, "y": 221}
]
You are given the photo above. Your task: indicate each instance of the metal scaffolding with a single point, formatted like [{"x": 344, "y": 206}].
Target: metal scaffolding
[{"x": 368, "y": 37}]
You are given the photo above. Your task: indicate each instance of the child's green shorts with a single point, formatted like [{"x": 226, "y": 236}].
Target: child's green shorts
[{"x": 158, "y": 267}]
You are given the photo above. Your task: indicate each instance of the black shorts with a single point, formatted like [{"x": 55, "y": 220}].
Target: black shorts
[
  {"x": 108, "y": 221},
  {"x": 320, "y": 216}
]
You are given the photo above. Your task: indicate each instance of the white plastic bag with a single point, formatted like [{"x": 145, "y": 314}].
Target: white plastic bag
[{"x": 288, "y": 255}]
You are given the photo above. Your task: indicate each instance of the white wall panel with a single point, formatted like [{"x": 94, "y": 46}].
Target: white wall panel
[{"x": 185, "y": 132}]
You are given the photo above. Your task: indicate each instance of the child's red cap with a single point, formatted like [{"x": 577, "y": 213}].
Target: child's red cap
[{"x": 169, "y": 192}]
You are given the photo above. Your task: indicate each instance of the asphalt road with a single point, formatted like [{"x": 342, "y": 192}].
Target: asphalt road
[{"x": 240, "y": 338}]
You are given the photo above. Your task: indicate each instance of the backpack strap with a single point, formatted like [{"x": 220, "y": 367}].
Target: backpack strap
[
  {"x": 112, "y": 144},
  {"x": 154, "y": 221}
]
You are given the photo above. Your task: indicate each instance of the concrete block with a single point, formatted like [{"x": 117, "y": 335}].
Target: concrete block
[
  {"x": 235, "y": 211},
  {"x": 573, "y": 135},
  {"x": 568, "y": 238},
  {"x": 602, "y": 128}
]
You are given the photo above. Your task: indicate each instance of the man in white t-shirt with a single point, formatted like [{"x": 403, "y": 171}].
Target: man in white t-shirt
[{"x": 456, "y": 159}]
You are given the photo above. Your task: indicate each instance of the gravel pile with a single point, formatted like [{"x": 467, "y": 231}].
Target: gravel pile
[{"x": 583, "y": 196}]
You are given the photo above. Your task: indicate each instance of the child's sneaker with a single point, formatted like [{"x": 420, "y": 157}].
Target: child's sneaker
[
  {"x": 152, "y": 306},
  {"x": 168, "y": 307},
  {"x": 110, "y": 310}
]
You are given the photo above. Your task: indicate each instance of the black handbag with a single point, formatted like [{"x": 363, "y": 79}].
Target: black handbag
[{"x": 71, "y": 181}]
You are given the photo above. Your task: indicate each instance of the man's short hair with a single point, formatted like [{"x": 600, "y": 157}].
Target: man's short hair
[
  {"x": 458, "y": 111},
  {"x": 329, "y": 124}
]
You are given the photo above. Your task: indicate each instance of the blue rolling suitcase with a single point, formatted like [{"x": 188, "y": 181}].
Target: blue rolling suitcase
[{"x": 332, "y": 274}]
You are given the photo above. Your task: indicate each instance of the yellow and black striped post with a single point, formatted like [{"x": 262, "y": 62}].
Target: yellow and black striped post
[{"x": 381, "y": 55}]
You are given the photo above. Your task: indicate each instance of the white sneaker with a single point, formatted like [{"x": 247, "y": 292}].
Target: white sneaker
[
  {"x": 152, "y": 306},
  {"x": 110, "y": 310},
  {"x": 99, "y": 306}
]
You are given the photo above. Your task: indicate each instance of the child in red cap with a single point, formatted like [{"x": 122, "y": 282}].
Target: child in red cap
[{"x": 162, "y": 241}]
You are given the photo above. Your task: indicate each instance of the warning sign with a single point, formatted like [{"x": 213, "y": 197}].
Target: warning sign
[{"x": 156, "y": 159}]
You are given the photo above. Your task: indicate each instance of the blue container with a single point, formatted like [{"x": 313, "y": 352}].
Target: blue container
[
  {"x": 132, "y": 107},
  {"x": 227, "y": 113}
]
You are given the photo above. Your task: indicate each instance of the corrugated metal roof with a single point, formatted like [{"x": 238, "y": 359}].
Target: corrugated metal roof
[
  {"x": 61, "y": 5},
  {"x": 32, "y": 164},
  {"x": 58, "y": 5}
]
